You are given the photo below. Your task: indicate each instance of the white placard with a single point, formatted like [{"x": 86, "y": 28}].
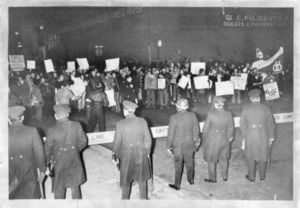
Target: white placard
[
  {"x": 183, "y": 82},
  {"x": 196, "y": 66},
  {"x": 271, "y": 91},
  {"x": 201, "y": 82},
  {"x": 30, "y": 64},
  {"x": 112, "y": 64},
  {"x": 161, "y": 83},
  {"x": 224, "y": 88},
  {"x": 49, "y": 66},
  {"x": 111, "y": 97},
  {"x": 70, "y": 66},
  {"x": 17, "y": 62},
  {"x": 83, "y": 63},
  {"x": 239, "y": 83},
  {"x": 244, "y": 75}
]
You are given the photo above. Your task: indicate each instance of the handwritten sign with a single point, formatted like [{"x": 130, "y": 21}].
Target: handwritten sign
[
  {"x": 17, "y": 62},
  {"x": 161, "y": 83},
  {"x": 183, "y": 82},
  {"x": 111, "y": 97},
  {"x": 112, "y": 64},
  {"x": 30, "y": 64},
  {"x": 201, "y": 82},
  {"x": 271, "y": 91},
  {"x": 83, "y": 63},
  {"x": 49, "y": 66},
  {"x": 70, "y": 66},
  {"x": 224, "y": 88},
  {"x": 196, "y": 66},
  {"x": 239, "y": 83}
]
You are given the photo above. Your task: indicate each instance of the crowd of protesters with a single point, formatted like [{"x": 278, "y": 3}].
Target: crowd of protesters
[{"x": 39, "y": 91}]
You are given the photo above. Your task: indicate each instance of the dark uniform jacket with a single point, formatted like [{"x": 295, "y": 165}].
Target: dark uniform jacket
[
  {"x": 64, "y": 142},
  {"x": 26, "y": 154},
  {"x": 257, "y": 127},
  {"x": 132, "y": 144},
  {"x": 183, "y": 132},
  {"x": 217, "y": 131}
]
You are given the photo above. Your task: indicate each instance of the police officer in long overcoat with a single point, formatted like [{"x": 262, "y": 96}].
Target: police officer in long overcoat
[
  {"x": 26, "y": 155},
  {"x": 257, "y": 130},
  {"x": 65, "y": 140},
  {"x": 132, "y": 146},
  {"x": 217, "y": 135},
  {"x": 97, "y": 100},
  {"x": 183, "y": 140}
]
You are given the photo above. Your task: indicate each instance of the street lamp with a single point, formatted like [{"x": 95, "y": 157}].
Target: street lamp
[{"x": 159, "y": 44}]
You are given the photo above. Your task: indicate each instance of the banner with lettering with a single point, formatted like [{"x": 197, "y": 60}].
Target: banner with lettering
[
  {"x": 271, "y": 91},
  {"x": 17, "y": 62},
  {"x": 273, "y": 64}
]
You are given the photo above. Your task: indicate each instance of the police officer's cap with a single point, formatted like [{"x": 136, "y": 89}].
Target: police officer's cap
[
  {"x": 16, "y": 111},
  {"x": 129, "y": 105},
  {"x": 254, "y": 92},
  {"x": 182, "y": 104},
  {"x": 61, "y": 109},
  {"x": 219, "y": 99}
]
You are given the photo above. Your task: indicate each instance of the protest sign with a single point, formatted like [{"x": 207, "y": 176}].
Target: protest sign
[
  {"x": 17, "y": 62},
  {"x": 111, "y": 97},
  {"x": 239, "y": 83},
  {"x": 161, "y": 83},
  {"x": 30, "y": 64},
  {"x": 183, "y": 82},
  {"x": 70, "y": 66},
  {"x": 271, "y": 91},
  {"x": 224, "y": 88},
  {"x": 201, "y": 82},
  {"x": 196, "y": 66},
  {"x": 83, "y": 63},
  {"x": 49, "y": 66},
  {"x": 112, "y": 64}
]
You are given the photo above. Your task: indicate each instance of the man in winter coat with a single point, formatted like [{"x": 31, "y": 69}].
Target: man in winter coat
[
  {"x": 257, "y": 130},
  {"x": 217, "y": 135},
  {"x": 183, "y": 140},
  {"x": 97, "y": 100},
  {"x": 65, "y": 140},
  {"x": 26, "y": 156},
  {"x": 132, "y": 146}
]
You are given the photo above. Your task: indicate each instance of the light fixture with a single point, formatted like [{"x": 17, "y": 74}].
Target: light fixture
[
  {"x": 16, "y": 33},
  {"x": 41, "y": 27},
  {"x": 159, "y": 43}
]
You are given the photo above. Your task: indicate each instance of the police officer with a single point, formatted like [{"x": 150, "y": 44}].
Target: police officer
[
  {"x": 132, "y": 146},
  {"x": 257, "y": 130},
  {"x": 97, "y": 100},
  {"x": 65, "y": 140},
  {"x": 217, "y": 135},
  {"x": 183, "y": 140},
  {"x": 26, "y": 157}
]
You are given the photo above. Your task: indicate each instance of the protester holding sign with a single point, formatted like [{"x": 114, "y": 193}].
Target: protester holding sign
[
  {"x": 217, "y": 135},
  {"x": 150, "y": 87},
  {"x": 163, "y": 86},
  {"x": 236, "y": 97}
]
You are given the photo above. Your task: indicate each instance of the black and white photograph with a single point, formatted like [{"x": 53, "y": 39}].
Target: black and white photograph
[{"x": 149, "y": 104}]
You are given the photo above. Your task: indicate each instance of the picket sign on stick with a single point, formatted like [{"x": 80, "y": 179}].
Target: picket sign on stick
[
  {"x": 239, "y": 83},
  {"x": 183, "y": 82},
  {"x": 83, "y": 63},
  {"x": 201, "y": 82},
  {"x": 271, "y": 91},
  {"x": 49, "y": 66},
  {"x": 30, "y": 64},
  {"x": 161, "y": 83},
  {"x": 224, "y": 88},
  {"x": 17, "y": 62},
  {"x": 70, "y": 66},
  {"x": 112, "y": 64},
  {"x": 196, "y": 66}
]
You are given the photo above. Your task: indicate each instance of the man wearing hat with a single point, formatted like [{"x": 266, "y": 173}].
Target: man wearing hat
[
  {"x": 26, "y": 157},
  {"x": 65, "y": 140},
  {"x": 217, "y": 135},
  {"x": 183, "y": 140},
  {"x": 97, "y": 100},
  {"x": 257, "y": 130},
  {"x": 132, "y": 146}
]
